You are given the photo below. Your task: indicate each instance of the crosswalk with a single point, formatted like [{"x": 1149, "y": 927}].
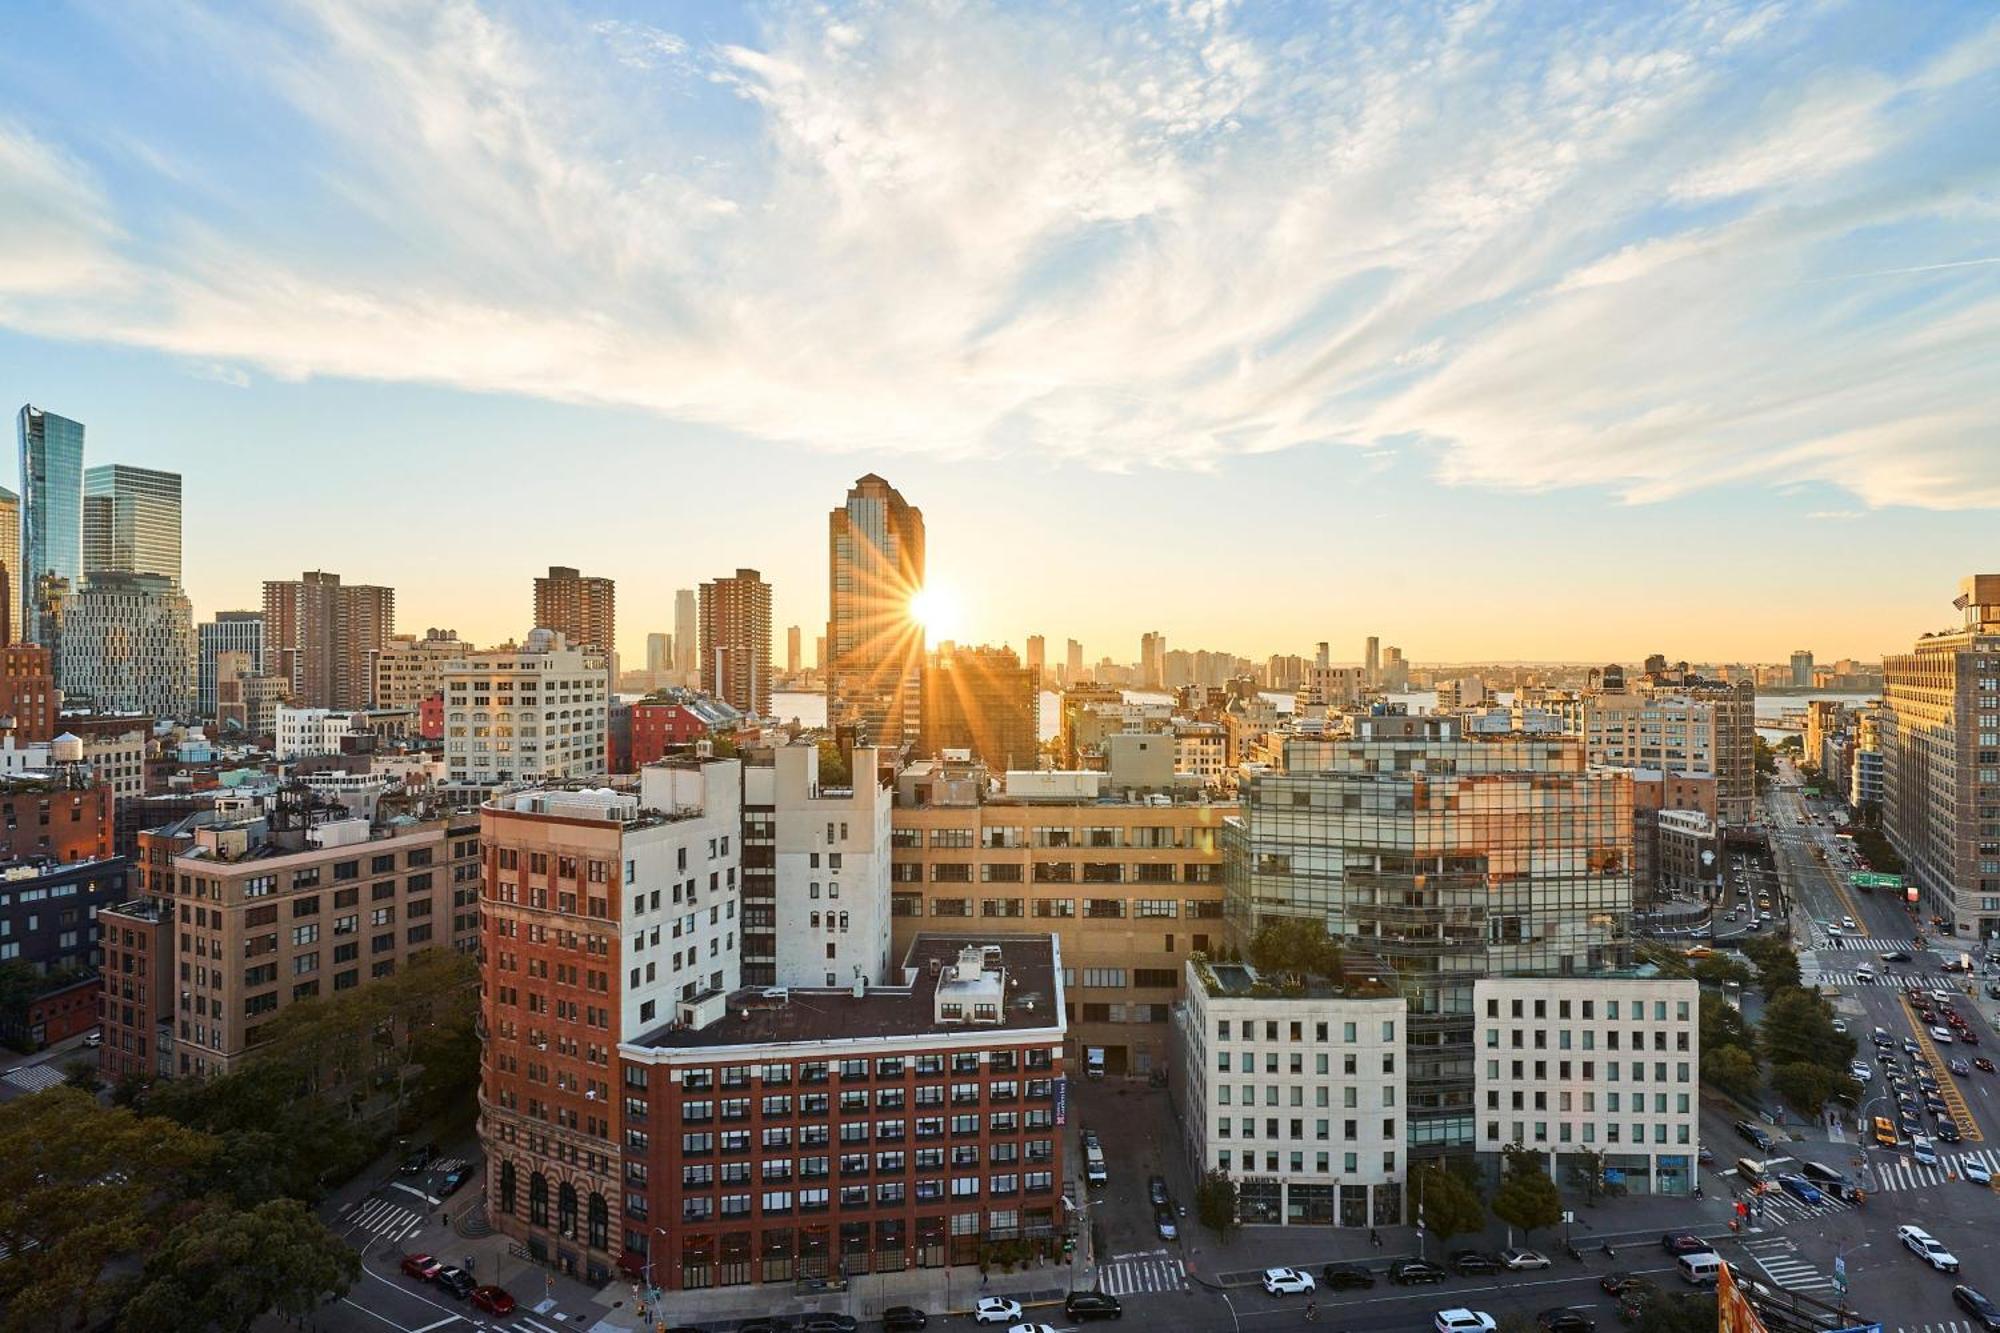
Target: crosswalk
[
  {"x": 1779, "y": 1258},
  {"x": 35, "y": 1078},
  {"x": 1947, "y": 1326},
  {"x": 1131, "y": 1274},
  {"x": 1869, "y": 944},
  {"x": 1775, "y": 1208},
  {"x": 391, "y": 1221},
  {"x": 1901, "y": 1173}
]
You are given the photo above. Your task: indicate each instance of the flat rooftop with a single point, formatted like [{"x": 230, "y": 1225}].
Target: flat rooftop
[{"x": 758, "y": 1016}]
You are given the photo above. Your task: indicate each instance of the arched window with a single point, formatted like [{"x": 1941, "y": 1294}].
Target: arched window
[
  {"x": 506, "y": 1187},
  {"x": 566, "y": 1210},
  {"x": 538, "y": 1200},
  {"x": 600, "y": 1222}
]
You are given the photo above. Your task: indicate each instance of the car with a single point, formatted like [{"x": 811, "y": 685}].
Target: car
[
  {"x": 1031, "y": 1328},
  {"x": 776, "y": 1323},
  {"x": 1961, "y": 1067},
  {"x": 1346, "y": 1277},
  {"x": 1975, "y": 1171},
  {"x": 996, "y": 1310},
  {"x": 1521, "y": 1260},
  {"x": 451, "y": 1181},
  {"x": 1156, "y": 1190},
  {"x": 823, "y": 1322},
  {"x": 1563, "y": 1319},
  {"x": 1683, "y": 1242},
  {"x": 903, "y": 1319},
  {"x": 1969, "y": 1037},
  {"x": 93, "y": 1039},
  {"x": 1936, "y": 1106},
  {"x": 1982, "y": 1064},
  {"x": 1801, "y": 1189},
  {"x": 419, "y": 1161},
  {"x": 1825, "y": 1177},
  {"x": 1410, "y": 1272},
  {"x": 1947, "y": 1131},
  {"x": 1834, "y": 932},
  {"x": 1093, "y": 1305},
  {"x": 1848, "y": 922},
  {"x": 1860, "y": 1071},
  {"x": 1163, "y": 1223},
  {"x": 1840, "y": 1025},
  {"x": 456, "y": 1281},
  {"x": 1974, "y": 1302},
  {"x": 421, "y": 1266},
  {"x": 493, "y": 1300},
  {"x": 1706, "y": 1156},
  {"x": 1753, "y": 1134},
  {"x": 1910, "y": 1046},
  {"x": 1618, "y": 1282},
  {"x": 1286, "y": 1282},
  {"x": 1462, "y": 1320},
  {"x": 1927, "y": 1247},
  {"x": 1894, "y": 956},
  {"x": 1470, "y": 1263},
  {"x": 1941, "y": 996}
]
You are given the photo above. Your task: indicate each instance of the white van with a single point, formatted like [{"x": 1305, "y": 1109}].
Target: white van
[
  {"x": 1751, "y": 1171},
  {"x": 1699, "y": 1269}
]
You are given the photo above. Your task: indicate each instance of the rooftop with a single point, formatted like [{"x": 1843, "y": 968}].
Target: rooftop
[{"x": 755, "y": 1016}]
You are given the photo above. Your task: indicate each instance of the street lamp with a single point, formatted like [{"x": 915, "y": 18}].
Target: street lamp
[{"x": 652, "y": 1292}]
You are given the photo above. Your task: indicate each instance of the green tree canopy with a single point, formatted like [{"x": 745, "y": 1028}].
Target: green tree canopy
[
  {"x": 1723, "y": 1024},
  {"x": 1527, "y": 1197},
  {"x": 1296, "y": 947},
  {"x": 1777, "y": 965},
  {"x": 226, "y": 1267},
  {"x": 1731, "y": 1069},
  {"x": 1807, "y": 1088},
  {"x": 79, "y": 1185},
  {"x": 1448, "y": 1204},
  {"x": 1215, "y": 1202},
  {"x": 1719, "y": 968},
  {"x": 1797, "y": 1026}
]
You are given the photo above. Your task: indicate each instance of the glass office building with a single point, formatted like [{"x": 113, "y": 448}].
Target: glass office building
[
  {"x": 132, "y": 521},
  {"x": 1448, "y": 857},
  {"x": 51, "y": 510}
]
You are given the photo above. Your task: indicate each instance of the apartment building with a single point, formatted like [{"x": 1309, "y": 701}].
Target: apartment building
[
  {"x": 323, "y": 635},
  {"x": 409, "y": 670},
  {"x": 128, "y": 644},
  {"x": 54, "y": 816},
  {"x": 1682, "y": 724},
  {"x": 830, "y": 902},
  {"x": 521, "y": 715},
  {"x": 48, "y": 910},
  {"x": 135, "y": 1017},
  {"x": 1601, "y": 1074},
  {"x": 583, "y": 609},
  {"x": 1451, "y": 856},
  {"x": 29, "y": 698},
  {"x": 806, "y": 1133},
  {"x": 983, "y": 700},
  {"x": 1299, "y": 1097},
  {"x": 302, "y": 900},
  {"x": 1130, "y": 887},
  {"x": 1940, "y": 742},
  {"x": 111, "y": 745},
  {"x": 607, "y": 915}
]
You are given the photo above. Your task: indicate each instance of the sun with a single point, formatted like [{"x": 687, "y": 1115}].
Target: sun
[{"x": 935, "y": 607}]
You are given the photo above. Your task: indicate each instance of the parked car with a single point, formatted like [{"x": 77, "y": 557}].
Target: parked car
[
  {"x": 822, "y": 1322},
  {"x": 1616, "y": 1283},
  {"x": 1286, "y": 1282},
  {"x": 421, "y": 1266},
  {"x": 1928, "y": 1248},
  {"x": 903, "y": 1319},
  {"x": 453, "y": 1178},
  {"x": 1410, "y": 1272},
  {"x": 1470, "y": 1263},
  {"x": 1974, "y": 1302},
  {"x": 1520, "y": 1260},
  {"x": 1156, "y": 1189},
  {"x": 493, "y": 1300},
  {"x": 767, "y": 1324},
  {"x": 419, "y": 1161},
  {"x": 996, "y": 1310},
  {"x": 1093, "y": 1305},
  {"x": 1562, "y": 1319},
  {"x": 456, "y": 1281},
  {"x": 1683, "y": 1242},
  {"x": 1463, "y": 1321},
  {"x": 1346, "y": 1277},
  {"x": 1754, "y": 1134}
]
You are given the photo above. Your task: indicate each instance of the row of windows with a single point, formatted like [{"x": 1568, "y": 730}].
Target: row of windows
[
  {"x": 1587, "y": 1070},
  {"x": 1295, "y": 1129},
  {"x": 1295, "y": 1030},
  {"x": 783, "y": 1073},
  {"x": 1568, "y": 1133},
  {"x": 697, "y": 1176},
  {"x": 1094, "y": 909},
  {"x": 780, "y": 1203},
  {"x": 1586, "y": 1009},
  {"x": 1350, "y": 1163},
  {"x": 1539, "y": 1040}
]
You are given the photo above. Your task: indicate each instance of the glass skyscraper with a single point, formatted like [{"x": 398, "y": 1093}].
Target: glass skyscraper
[
  {"x": 51, "y": 512},
  {"x": 131, "y": 521}
]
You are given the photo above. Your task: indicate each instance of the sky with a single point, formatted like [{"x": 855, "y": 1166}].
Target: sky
[{"x": 1529, "y": 331}]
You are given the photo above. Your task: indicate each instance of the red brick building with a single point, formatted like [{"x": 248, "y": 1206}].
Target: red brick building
[
  {"x": 28, "y": 693},
  {"x": 54, "y": 818},
  {"x": 430, "y": 717},
  {"x": 58, "y": 1015},
  {"x": 660, "y": 729},
  {"x": 136, "y": 1006},
  {"x": 814, "y": 1133}
]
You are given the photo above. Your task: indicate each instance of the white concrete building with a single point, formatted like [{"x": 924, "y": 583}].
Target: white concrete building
[
  {"x": 832, "y": 874},
  {"x": 1300, "y": 1098},
  {"x": 539, "y": 711},
  {"x": 303, "y": 732},
  {"x": 128, "y": 645},
  {"x": 14, "y": 758},
  {"x": 1575, "y": 1066}
]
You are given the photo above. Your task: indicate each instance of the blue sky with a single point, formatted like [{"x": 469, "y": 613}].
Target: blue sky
[{"x": 1499, "y": 330}]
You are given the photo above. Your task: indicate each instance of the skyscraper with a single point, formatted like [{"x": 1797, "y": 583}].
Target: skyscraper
[
  {"x": 582, "y": 610},
  {"x": 792, "y": 651},
  {"x": 1802, "y": 669},
  {"x": 736, "y": 641},
  {"x": 984, "y": 700},
  {"x": 1038, "y": 648},
  {"x": 687, "y": 635},
  {"x": 1371, "y": 665},
  {"x": 1072, "y": 664},
  {"x": 323, "y": 637},
  {"x": 875, "y": 567},
  {"x": 1153, "y": 659},
  {"x": 10, "y": 563},
  {"x": 128, "y": 645},
  {"x": 659, "y": 654},
  {"x": 229, "y": 632},
  {"x": 131, "y": 521},
  {"x": 51, "y": 513}
]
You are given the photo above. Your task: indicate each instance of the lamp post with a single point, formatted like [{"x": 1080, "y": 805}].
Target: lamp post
[{"x": 652, "y": 1292}]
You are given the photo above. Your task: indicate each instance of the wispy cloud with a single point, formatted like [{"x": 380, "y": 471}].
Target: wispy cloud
[{"x": 1560, "y": 252}]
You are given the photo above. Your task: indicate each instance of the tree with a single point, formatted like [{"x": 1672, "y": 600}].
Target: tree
[
  {"x": 1730, "y": 1068},
  {"x": 834, "y": 769},
  {"x": 227, "y": 1267},
  {"x": 1798, "y": 1026},
  {"x": 1527, "y": 1197},
  {"x": 82, "y": 1075},
  {"x": 1777, "y": 966},
  {"x": 1723, "y": 1024},
  {"x": 1295, "y": 948},
  {"x": 1215, "y": 1202},
  {"x": 1447, "y": 1205},
  {"x": 81, "y": 1184},
  {"x": 1717, "y": 969},
  {"x": 1809, "y": 1087}
]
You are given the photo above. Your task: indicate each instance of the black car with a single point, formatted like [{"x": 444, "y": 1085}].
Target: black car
[
  {"x": 1754, "y": 1134},
  {"x": 419, "y": 1161},
  {"x": 453, "y": 1179},
  {"x": 1562, "y": 1319},
  {"x": 1683, "y": 1242},
  {"x": 1947, "y": 1132},
  {"x": 1409, "y": 1272},
  {"x": 827, "y": 1323},
  {"x": 768, "y": 1324},
  {"x": 456, "y": 1281},
  {"x": 1346, "y": 1277},
  {"x": 1974, "y": 1302},
  {"x": 1093, "y": 1305},
  {"x": 903, "y": 1319},
  {"x": 1468, "y": 1263},
  {"x": 1156, "y": 1189}
]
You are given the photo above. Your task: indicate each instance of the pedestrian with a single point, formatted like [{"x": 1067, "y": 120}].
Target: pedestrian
[
  {"x": 983, "y": 1279},
  {"x": 1374, "y": 1238}
]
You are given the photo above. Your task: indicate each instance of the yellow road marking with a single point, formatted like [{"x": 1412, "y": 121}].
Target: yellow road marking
[{"x": 1954, "y": 1100}]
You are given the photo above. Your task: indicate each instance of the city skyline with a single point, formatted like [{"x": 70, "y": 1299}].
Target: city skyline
[{"x": 1709, "y": 284}]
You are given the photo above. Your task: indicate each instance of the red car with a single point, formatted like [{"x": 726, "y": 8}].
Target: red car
[
  {"x": 493, "y": 1300},
  {"x": 421, "y": 1266}
]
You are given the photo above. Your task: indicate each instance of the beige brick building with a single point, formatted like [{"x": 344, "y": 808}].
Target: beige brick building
[{"x": 1131, "y": 888}]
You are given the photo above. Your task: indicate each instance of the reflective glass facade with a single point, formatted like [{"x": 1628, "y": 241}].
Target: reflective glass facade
[{"x": 51, "y": 507}]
